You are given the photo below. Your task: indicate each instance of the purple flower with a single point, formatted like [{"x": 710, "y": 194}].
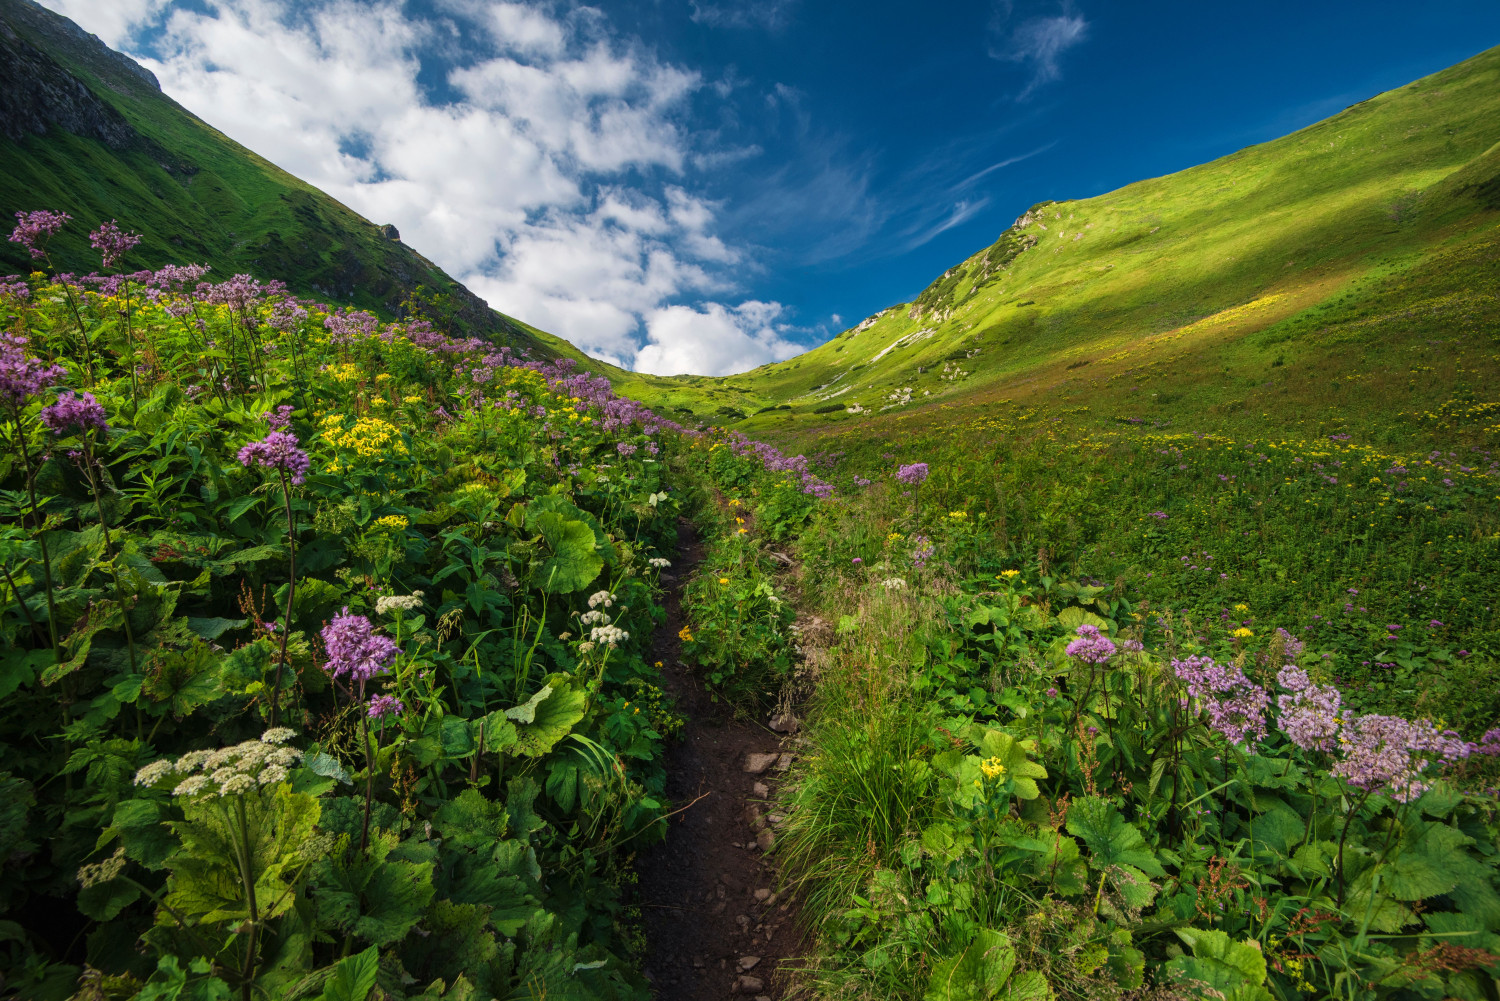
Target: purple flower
[
  {"x": 914, "y": 474},
  {"x": 69, "y": 413},
  {"x": 32, "y": 227},
  {"x": 1052, "y": 693},
  {"x": 112, "y": 242},
  {"x": 347, "y": 325},
  {"x": 1434, "y": 624},
  {"x": 1309, "y": 712},
  {"x": 857, "y": 559},
  {"x": 1158, "y": 515},
  {"x": 1091, "y": 647},
  {"x": 382, "y": 706},
  {"x": 1490, "y": 743},
  {"x": 277, "y": 450},
  {"x": 279, "y": 419},
  {"x": 625, "y": 448},
  {"x": 21, "y": 376},
  {"x": 1235, "y": 705},
  {"x": 355, "y": 650},
  {"x": 1291, "y": 646},
  {"x": 1388, "y": 754}
]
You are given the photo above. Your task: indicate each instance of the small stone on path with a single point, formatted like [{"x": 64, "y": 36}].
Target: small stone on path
[
  {"x": 749, "y": 985},
  {"x": 747, "y": 963},
  {"x": 766, "y": 840},
  {"x": 761, "y": 790},
  {"x": 783, "y": 762},
  {"x": 762, "y": 894},
  {"x": 757, "y": 763}
]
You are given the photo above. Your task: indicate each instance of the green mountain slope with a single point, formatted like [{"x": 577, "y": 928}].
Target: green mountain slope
[
  {"x": 87, "y": 131},
  {"x": 1348, "y": 269}
]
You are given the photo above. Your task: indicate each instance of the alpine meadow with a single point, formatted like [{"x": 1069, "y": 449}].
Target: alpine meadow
[{"x": 1116, "y": 619}]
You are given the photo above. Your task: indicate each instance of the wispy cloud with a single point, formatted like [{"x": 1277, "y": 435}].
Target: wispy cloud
[
  {"x": 554, "y": 167},
  {"x": 980, "y": 175},
  {"x": 772, "y": 15},
  {"x": 1036, "y": 42},
  {"x": 960, "y": 213}
]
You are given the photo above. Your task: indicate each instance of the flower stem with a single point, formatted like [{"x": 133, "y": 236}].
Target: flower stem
[{"x": 291, "y": 592}]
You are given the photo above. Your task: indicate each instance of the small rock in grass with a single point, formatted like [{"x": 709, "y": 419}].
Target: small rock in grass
[
  {"x": 784, "y": 723},
  {"x": 747, "y": 963},
  {"x": 761, "y": 790},
  {"x": 775, "y": 818},
  {"x": 762, "y": 894},
  {"x": 750, "y": 985},
  {"x": 771, "y": 900},
  {"x": 783, "y": 762},
  {"x": 757, "y": 763},
  {"x": 766, "y": 840}
]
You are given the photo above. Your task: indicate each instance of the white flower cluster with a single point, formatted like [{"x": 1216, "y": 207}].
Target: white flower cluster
[
  {"x": 612, "y": 636},
  {"x": 595, "y": 618},
  {"x": 601, "y": 598},
  {"x": 893, "y": 583},
  {"x": 659, "y": 563},
  {"x": 229, "y": 770},
  {"x": 396, "y": 602}
]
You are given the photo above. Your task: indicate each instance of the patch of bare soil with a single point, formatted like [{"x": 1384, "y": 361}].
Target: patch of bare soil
[{"x": 715, "y": 926}]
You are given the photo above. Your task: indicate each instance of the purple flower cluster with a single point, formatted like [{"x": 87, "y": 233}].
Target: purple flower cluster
[
  {"x": 1091, "y": 646},
  {"x": 382, "y": 706},
  {"x": 914, "y": 474},
  {"x": 347, "y": 326},
  {"x": 277, "y": 450},
  {"x": 1309, "y": 712},
  {"x": 1235, "y": 705},
  {"x": 355, "y": 650},
  {"x": 922, "y": 550},
  {"x": 279, "y": 419},
  {"x": 34, "y": 229},
  {"x": 1388, "y": 754},
  {"x": 625, "y": 448},
  {"x": 75, "y": 413},
  {"x": 22, "y": 376},
  {"x": 112, "y": 242}
]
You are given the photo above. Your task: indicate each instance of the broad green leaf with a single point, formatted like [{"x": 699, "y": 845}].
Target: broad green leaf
[
  {"x": 573, "y": 559},
  {"x": 1111, "y": 839},
  {"x": 1234, "y": 969},
  {"x": 552, "y": 721},
  {"x": 978, "y": 973},
  {"x": 526, "y": 711},
  {"x": 371, "y": 894},
  {"x": 353, "y": 978}
]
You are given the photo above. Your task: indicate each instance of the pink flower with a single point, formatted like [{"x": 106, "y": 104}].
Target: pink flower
[
  {"x": 112, "y": 242},
  {"x": 70, "y": 413},
  {"x": 37, "y": 226},
  {"x": 277, "y": 450}
]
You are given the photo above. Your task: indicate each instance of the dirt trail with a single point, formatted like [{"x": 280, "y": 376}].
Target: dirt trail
[{"x": 714, "y": 926}]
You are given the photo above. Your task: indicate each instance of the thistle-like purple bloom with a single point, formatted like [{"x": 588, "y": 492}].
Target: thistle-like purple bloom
[
  {"x": 347, "y": 325},
  {"x": 914, "y": 474},
  {"x": 1309, "y": 712},
  {"x": 354, "y": 649},
  {"x": 1388, "y": 754},
  {"x": 382, "y": 706},
  {"x": 21, "y": 376},
  {"x": 277, "y": 450},
  {"x": 75, "y": 413},
  {"x": 112, "y": 242},
  {"x": 1091, "y": 646},
  {"x": 1236, "y": 706},
  {"x": 34, "y": 229},
  {"x": 279, "y": 419},
  {"x": 625, "y": 448}
]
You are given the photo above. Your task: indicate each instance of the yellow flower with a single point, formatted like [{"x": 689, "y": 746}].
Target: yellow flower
[
  {"x": 685, "y": 634},
  {"x": 370, "y": 437},
  {"x": 739, "y": 521},
  {"x": 723, "y": 580},
  {"x": 742, "y": 531},
  {"x": 734, "y": 502},
  {"x": 411, "y": 399},
  {"x": 992, "y": 767},
  {"x": 958, "y": 514},
  {"x": 1242, "y": 633},
  {"x": 894, "y": 536},
  {"x": 1242, "y": 607},
  {"x": 392, "y": 522},
  {"x": 383, "y": 377},
  {"x": 1010, "y": 573}
]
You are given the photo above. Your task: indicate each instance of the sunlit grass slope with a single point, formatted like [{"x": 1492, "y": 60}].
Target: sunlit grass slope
[
  {"x": 1342, "y": 275},
  {"x": 115, "y": 146}
]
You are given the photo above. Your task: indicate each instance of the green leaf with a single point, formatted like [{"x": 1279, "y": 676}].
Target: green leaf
[
  {"x": 574, "y": 559},
  {"x": 1111, "y": 839},
  {"x": 526, "y": 711},
  {"x": 552, "y": 720},
  {"x": 978, "y": 973},
  {"x": 353, "y": 978},
  {"x": 1071, "y": 618},
  {"x": 370, "y": 894},
  {"x": 1237, "y": 970}
]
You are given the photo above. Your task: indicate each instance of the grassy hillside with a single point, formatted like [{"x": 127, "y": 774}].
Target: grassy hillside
[
  {"x": 87, "y": 131},
  {"x": 1344, "y": 274}
]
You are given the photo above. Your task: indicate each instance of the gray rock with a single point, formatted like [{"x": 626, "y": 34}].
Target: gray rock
[
  {"x": 766, "y": 840},
  {"x": 762, "y": 894},
  {"x": 785, "y": 723},
  {"x": 757, "y": 763},
  {"x": 747, "y": 963},
  {"x": 750, "y": 985},
  {"x": 761, "y": 790},
  {"x": 784, "y": 762}
]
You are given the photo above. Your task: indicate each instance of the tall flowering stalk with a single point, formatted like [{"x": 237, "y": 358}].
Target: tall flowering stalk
[
  {"x": 83, "y": 417},
  {"x": 113, "y": 243},
  {"x": 358, "y": 653},
  {"x": 34, "y": 231},
  {"x": 914, "y": 474},
  {"x": 278, "y": 450},
  {"x": 22, "y": 378}
]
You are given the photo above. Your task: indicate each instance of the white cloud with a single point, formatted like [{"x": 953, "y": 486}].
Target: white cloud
[
  {"x": 715, "y": 340},
  {"x": 772, "y": 15},
  {"x": 540, "y": 159},
  {"x": 1037, "y": 42}
]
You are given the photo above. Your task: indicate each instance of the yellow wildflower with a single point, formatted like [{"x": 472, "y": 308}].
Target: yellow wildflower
[
  {"x": 1010, "y": 573},
  {"x": 685, "y": 634},
  {"x": 992, "y": 768},
  {"x": 1242, "y": 633},
  {"x": 392, "y": 522},
  {"x": 1242, "y": 607}
]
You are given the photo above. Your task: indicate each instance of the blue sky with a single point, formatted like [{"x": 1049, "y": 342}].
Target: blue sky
[{"x": 706, "y": 185}]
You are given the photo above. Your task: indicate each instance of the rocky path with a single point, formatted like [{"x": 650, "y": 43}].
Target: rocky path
[{"x": 715, "y": 927}]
